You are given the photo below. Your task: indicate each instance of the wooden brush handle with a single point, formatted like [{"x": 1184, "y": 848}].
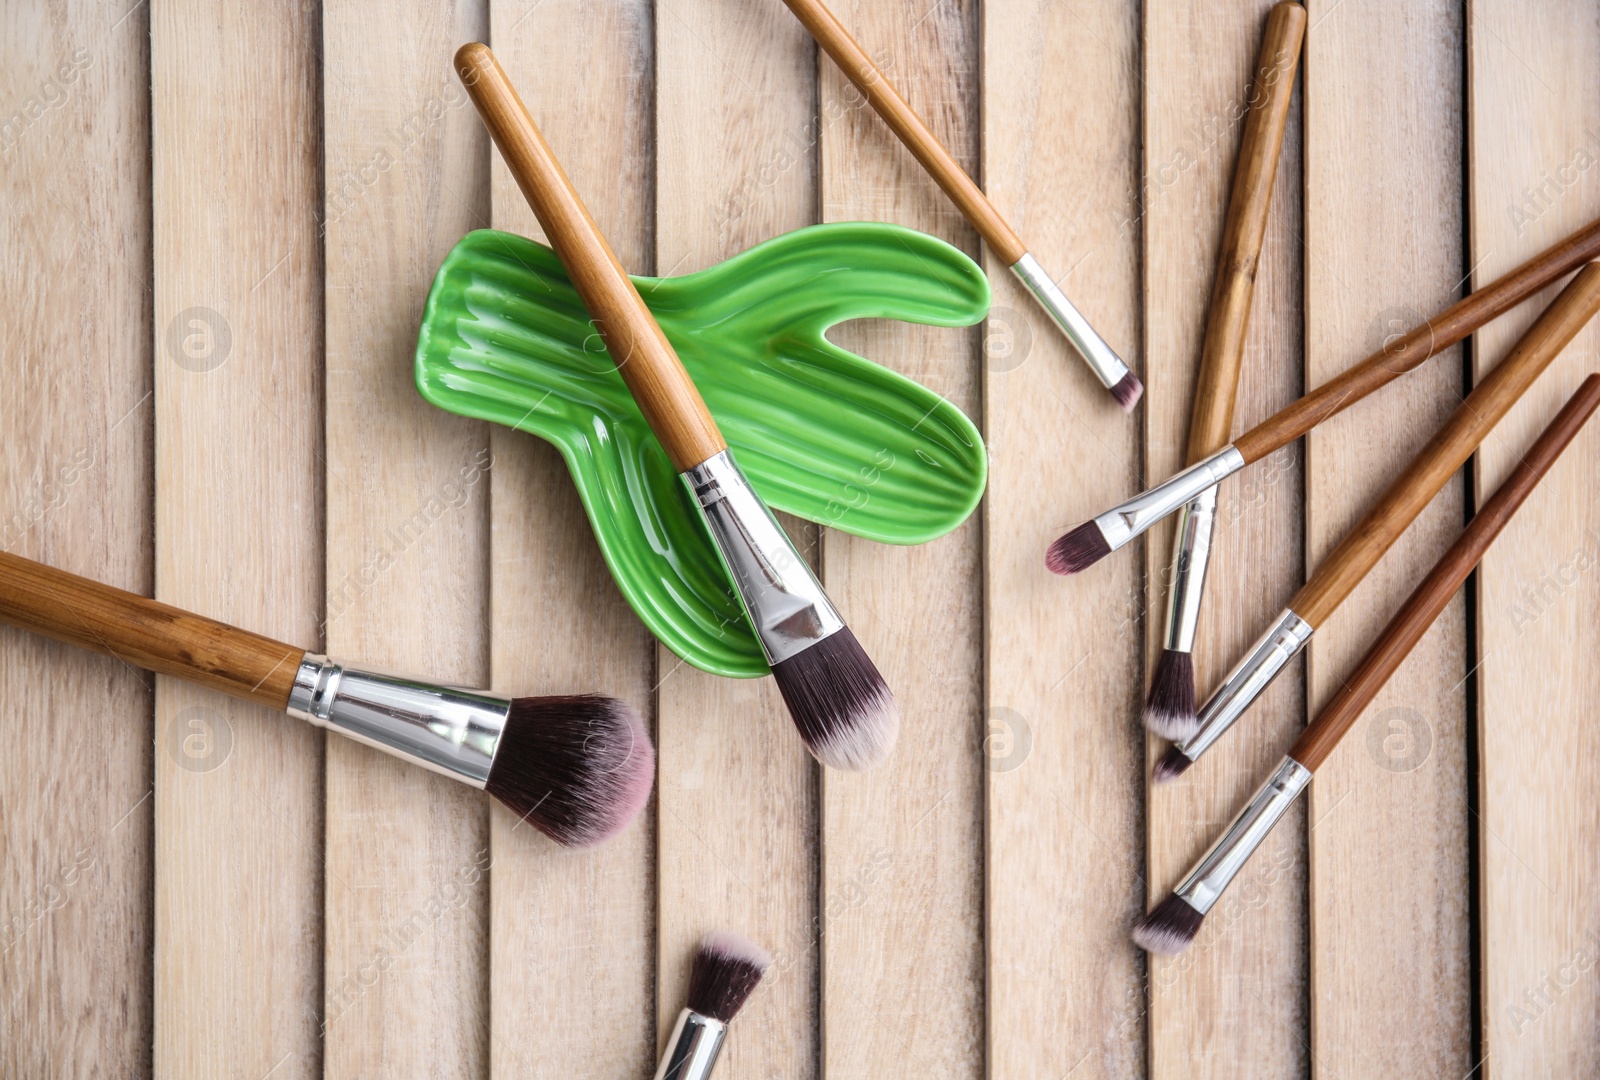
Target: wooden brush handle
[
  {"x": 1317, "y": 741},
  {"x": 909, "y": 128},
  {"x": 146, "y": 633},
  {"x": 1420, "y": 343},
  {"x": 654, "y": 374},
  {"x": 1360, "y": 551},
  {"x": 1244, "y": 230}
]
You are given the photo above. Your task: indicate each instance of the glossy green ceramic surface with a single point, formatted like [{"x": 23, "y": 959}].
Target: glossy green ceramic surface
[{"x": 821, "y": 432}]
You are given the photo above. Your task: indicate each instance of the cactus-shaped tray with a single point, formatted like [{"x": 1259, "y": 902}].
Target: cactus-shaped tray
[{"x": 822, "y": 433}]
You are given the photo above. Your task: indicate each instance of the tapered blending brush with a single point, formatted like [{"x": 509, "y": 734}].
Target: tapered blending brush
[
  {"x": 726, "y": 970},
  {"x": 1169, "y": 710},
  {"x": 1088, "y": 543},
  {"x": 968, "y": 197},
  {"x": 1173, "y": 924},
  {"x": 1367, "y": 541},
  {"x": 578, "y": 768},
  {"x": 840, "y": 703}
]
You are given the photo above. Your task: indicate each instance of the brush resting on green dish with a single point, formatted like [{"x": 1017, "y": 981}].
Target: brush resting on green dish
[{"x": 821, "y": 432}]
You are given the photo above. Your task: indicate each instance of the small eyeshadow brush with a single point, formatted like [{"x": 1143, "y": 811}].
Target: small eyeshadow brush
[{"x": 725, "y": 973}]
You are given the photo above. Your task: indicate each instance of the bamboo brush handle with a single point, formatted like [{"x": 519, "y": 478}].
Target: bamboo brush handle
[
  {"x": 1432, "y": 337},
  {"x": 1211, "y": 423},
  {"x": 1360, "y": 551},
  {"x": 654, "y": 374},
  {"x": 909, "y": 128},
  {"x": 1317, "y": 741},
  {"x": 146, "y": 633}
]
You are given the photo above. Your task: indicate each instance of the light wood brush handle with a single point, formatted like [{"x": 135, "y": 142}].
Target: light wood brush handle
[
  {"x": 1360, "y": 551},
  {"x": 1216, "y": 388},
  {"x": 654, "y": 374},
  {"x": 146, "y": 633},
  {"x": 1432, "y": 337},
  {"x": 1317, "y": 741},
  {"x": 909, "y": 128}
]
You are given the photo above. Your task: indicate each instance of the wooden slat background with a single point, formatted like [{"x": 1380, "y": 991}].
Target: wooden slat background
[{"x": 218, "y": 222}]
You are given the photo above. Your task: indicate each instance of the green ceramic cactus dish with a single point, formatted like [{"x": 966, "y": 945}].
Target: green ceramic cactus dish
[{"x": 822, "y": 433}]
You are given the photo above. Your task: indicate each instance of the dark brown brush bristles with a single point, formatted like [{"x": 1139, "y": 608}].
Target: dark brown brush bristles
[
  {"x": 840, "y": 703},
  {"x": 725, "y": 972},
  {"x": 578, "y": 768},
  {"x": 1168, "y": 929},
  {"x": 1128, "y": 391},
  {"x": 1169, "y": 710},
  {"x": 1173, "y": 764},
  {"x": 1078, "y": 550}
]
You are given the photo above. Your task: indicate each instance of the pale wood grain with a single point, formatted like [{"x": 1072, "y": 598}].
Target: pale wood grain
[
  {"x": 1533, "y": 129},
  {"x": 1234, "y": 1003},
  {"x": 736, "y": 164},
  {"x": 571, "y": 933},
  {"x": 75, "y": 483},
  {"x": 902, "y": 988},
  {"x": 1065, "y": 876},
  {"x": 1389, "y": 939},
  {"x": 406, "y": 175}
]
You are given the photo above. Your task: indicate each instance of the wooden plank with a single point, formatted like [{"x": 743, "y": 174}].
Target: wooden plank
[
  {"x": 406, "y": 175},
  {"x": 1234, "y": 1003},
  {"x": 1533, "y": 129},
  {"x": 236, "y": 162},
  {"x": 902, "y": 918},
  {"x": 571, "y": 933},
  {"x": 1063, "y": 666},
  {"x": 75, "y": 483},
  {"x": 735, "y": 164},
  {"x": 1384, "y": 195}
]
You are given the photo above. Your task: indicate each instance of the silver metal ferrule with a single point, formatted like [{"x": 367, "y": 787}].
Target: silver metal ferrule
[
  {"x": 692, "y": 1050},
  {"x": 1106, "y": 364},
  {"x": 786, "y": 605},
  {"x": 1122, "y": 523},
  {"x": 444, "y": 728},
  {"x": 1269, "y": 655},
  {"x": 1205, "y": 884},
  {"x": 1186, "y": 580}
]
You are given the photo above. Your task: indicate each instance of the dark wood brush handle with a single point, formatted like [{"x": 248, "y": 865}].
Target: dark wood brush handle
[
  {"x": 909, "y": 128},
  {"x": 146, "y": 633},
  {"x": 1420, "y": 343},
  {"x": 654, "y": 374},
  {"x": 1449, "y": 449},
  {"x": 1317, "y": 741},
  {"x": 1211, "y": 422}
]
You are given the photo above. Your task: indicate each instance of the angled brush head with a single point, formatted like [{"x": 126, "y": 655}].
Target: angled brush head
[
  {"x": 1168, "y": 929},
  {"x": 840, "y": 703},
  {"x": 1078, "y": 550},
  {"x": 1128, "y": 391},
  {"x": 726, "y": 969},
  {"x": 578, "y": 768},
  {"x": 1169, "y": 710},
  {"x": 1173, "y": 764}
]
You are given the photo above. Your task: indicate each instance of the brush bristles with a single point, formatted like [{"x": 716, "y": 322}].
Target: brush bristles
[
  {"x": 726, "y": 969},
  {"x": 1168, "y": 929},
  {"x": 1169, "y": 710},
  {"x": 1128, "y": 391},
  {"x": 578, "y": 768},
  {"x": 1173, "y": 764},
  {"x": 1078, "y": 550},
  {"x": 840, "y": 703}
]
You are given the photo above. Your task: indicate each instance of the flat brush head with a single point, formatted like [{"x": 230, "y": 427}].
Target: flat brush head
[
  {"x": 1169, "y": 710},
  {"x": 1078, "y": 550},
  {"x": 840, "y": 703},
  {"x": 1128, "y": 391},
  {"x": 578, "y": 768},
  {"x": 1173, "y": 764},
  {"x": 726, "y": 969},
  {"x": 1168, "y": 929}
]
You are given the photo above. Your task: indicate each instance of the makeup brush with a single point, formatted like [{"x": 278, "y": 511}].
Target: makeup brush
[
  {"x": 726, "y": 970},
  {"x": 968, "y": 197},
  {"x": 1088, "y": 543},
  {"x": 1398, "y": 507},
  {"x": 578, "y": 768},
  {"x": 1176, "y": 920},
  {"x": 840, "y": 703},
  {"x": 1169, "y": 710}
]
